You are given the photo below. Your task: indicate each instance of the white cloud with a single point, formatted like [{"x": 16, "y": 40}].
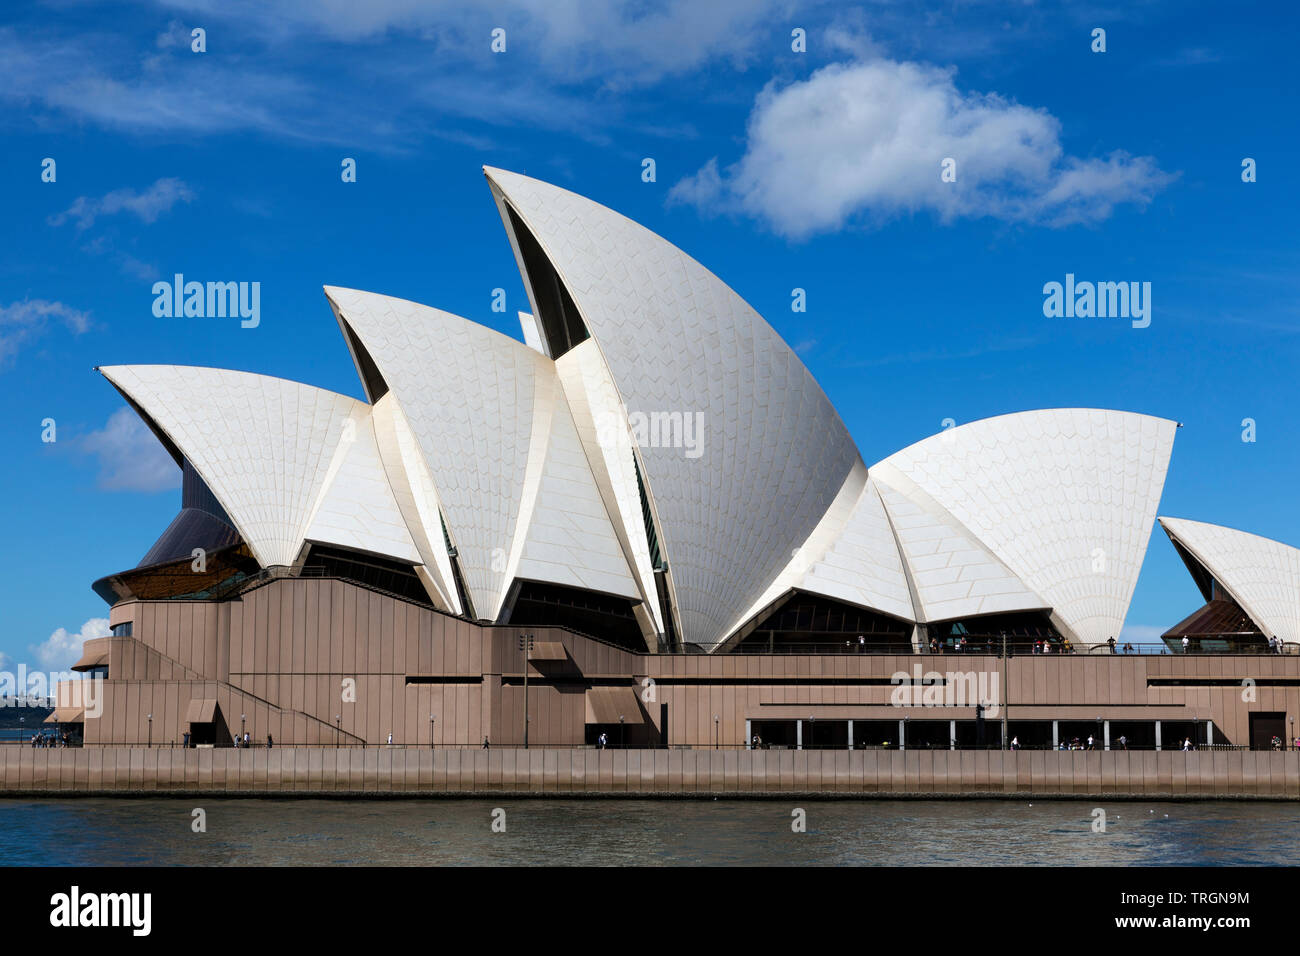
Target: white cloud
[
  {"x": 863, "y": 143},
  {"x": 130, "y": 457},
  {"x": 146, "y": 205},
  {"x": 27, "y": 319},
  {"x": 63, "y": 648}
]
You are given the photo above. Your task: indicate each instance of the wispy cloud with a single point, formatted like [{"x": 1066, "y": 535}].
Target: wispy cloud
[
  {"x": 146, "y": 205},
  {"x": 62, "y": 648},
  {"x": 863, "y": 143},
  {"x": 944, "y": 355},
  {"x": 130, "y": 457},
  {"x": 28, "y": 319}
]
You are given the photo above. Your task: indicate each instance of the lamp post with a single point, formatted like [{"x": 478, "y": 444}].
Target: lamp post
[
  {"x": 338, "y": 730},
  {"x": 903, "y": 742},
  {"x": 1006, "y": 701},
  {"x": 1294, "y": 741},
  {"x": 243, "y": 719},
  {"x": 1096, "y": 738},
  {"x": 525, "y": 645},
  {"x": 622, "y": 745},
  {"x": 715, "y": 731},
  {"x": 812, "y": 732},
  {"x": 150, "y": 717},
  {"x": 432, "y": 721}
]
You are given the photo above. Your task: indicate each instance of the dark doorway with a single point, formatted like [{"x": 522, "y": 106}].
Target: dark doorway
[
  {"x": 1030, "y": 734},
  {"x": 875, "y": 734},
  {"x": 928, "y": 734},
  {"x": 212, "y": 733},
  {"x": 1266, "y": 725},
  {"x": 773, "y": 734},
  {"x": 825, "y": 734}
]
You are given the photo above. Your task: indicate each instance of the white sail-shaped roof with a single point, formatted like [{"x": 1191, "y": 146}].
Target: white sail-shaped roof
[
  {"x": 1065, "y": 498},
  {"x": 851, "y": 556},
  {"x": 287, "y": 461},
  {"x": 677, "y": 340},
  {"x": 357, "y": 509},
  {"x": 955, "y": 576},
  {"x": 1261, "y": 575},
  {"x": 489, "y": 419}
]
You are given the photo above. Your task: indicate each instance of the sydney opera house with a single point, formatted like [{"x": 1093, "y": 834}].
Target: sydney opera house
[{"x": 647, "y": 521}]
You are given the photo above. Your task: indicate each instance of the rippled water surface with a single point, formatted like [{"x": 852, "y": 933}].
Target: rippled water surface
[{"x": 100, "y": 831}]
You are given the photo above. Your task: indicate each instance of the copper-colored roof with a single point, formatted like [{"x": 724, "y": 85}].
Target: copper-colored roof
[
  {"x": 548, "y": 651},
  {"x": 1219, "y": 618},
  {"x": 67, "y": 715},
  {"x": 201, "y": 711},
  {"x": 605, "y": 705}
]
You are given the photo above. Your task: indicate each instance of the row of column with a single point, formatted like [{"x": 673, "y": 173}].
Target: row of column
[{"x": 952, "y": 734}]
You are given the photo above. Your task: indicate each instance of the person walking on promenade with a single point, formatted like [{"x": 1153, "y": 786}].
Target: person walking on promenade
[
  {"x": 1185, "y": 643},
  {"x": 486, "y": 745},
  {"x": 269, "y": 742}
]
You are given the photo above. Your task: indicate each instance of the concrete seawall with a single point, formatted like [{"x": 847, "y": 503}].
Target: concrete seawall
[{"x": 380, "y": 772}]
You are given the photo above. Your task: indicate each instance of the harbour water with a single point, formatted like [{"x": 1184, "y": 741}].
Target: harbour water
[{"x": 616, "y": 832}]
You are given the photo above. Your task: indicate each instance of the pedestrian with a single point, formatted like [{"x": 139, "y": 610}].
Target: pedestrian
[
  {"x": 486, "y": 745},
  {"x": 1015, "y": 743},
  {"x": 1123, "y": 742},
  {"x": 247, "y": 740},
  {"x": 269, "y": 742},
  {"x": 390, "y": 738},
  {"x": 862, "y": 644},
  {"x": 1187, "y": 744},
  {"x": 600, "y": 741},
  {"x": 186, "y": 740},
  {"x": 1091, "y": 743},
  {"x": 1111, "y": 642},
  {"x": 1185, "y": 643}
]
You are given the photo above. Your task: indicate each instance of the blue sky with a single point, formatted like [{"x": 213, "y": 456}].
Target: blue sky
[{"x": 776, "y": 169}]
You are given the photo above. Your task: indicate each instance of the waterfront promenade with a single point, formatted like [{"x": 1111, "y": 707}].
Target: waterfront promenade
[{"x": 382, "y": 772}]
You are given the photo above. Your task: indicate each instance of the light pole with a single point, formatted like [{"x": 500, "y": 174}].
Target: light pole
[
  {"x": 1294, "y": 741},
  {"x": 812, "y": 733},
  {"x": 243, "y": 719},
  {"x": 150, "y": 716},
  {"x": 622, "y": 740},
  {"x": 715, "y": 731},
  {"x": 1006, "y": 701},
  {"x": 432, "y": 721},
  {"x": 338, "y": 731},
  {"x": 525, "y": 645}
]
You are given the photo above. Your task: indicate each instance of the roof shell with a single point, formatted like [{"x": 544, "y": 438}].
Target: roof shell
[
  {"x": 677, "y": 340},
  {"x": 1261, "y": 575},
  {"x": 1065, "y": 498},
  {"x": 269, "y": 450}
]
